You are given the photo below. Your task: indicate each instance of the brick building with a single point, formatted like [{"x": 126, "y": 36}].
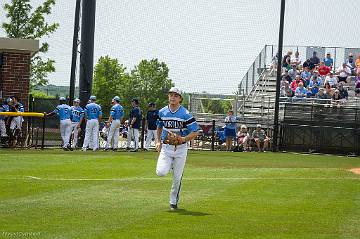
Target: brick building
[{"x": 15, "y": 55}]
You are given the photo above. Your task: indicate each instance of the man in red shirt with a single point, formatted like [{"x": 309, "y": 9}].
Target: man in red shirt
[{"x": 323, "y": 69}]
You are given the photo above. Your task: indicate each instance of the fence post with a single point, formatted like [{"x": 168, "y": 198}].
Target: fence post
[
  {"x": 43, "y": 133},
  {"x": 253, "y": 76},
  {"x": 142, "y": 133},
  {"x": 213, "y": 136}
]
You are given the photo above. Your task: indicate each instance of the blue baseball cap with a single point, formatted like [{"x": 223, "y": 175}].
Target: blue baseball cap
[
  {"x": 62, "y": 99},
  {"x": 116, "y": 98},
  {"x": 77, "y": 100},
  {"x": 93, "y": 97}
]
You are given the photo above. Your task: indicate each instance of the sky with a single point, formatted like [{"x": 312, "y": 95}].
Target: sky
[{"x": 208, "y": 45}]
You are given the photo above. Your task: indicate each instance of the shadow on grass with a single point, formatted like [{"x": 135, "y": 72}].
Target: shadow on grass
[{"x": 189, "y": 213}]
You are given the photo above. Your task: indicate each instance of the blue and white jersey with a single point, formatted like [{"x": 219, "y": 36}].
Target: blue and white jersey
[
  {"x": 2, "y": 109},
  {"x": 21, "y": 107},
  {"x": 117, "y": 112},
  {"x": 93, "y": 111},
  {"x": 63, "y": 111},
  {"x": 180, "y": 122},
  {"x": 77, "y": 113},
  {"x": 230, "y": 122}
]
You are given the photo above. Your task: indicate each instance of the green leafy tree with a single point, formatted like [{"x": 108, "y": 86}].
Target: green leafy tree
[
  {"x": 27, "y": 24},
  {"x": 217, "y": 106},
  {"x": 109, "y": 80},
  {"x": 149, "y": 82}
]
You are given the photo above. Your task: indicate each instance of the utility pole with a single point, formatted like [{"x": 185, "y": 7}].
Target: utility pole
[
  {"x": 278, "y": 78},
  {"x": 74, "y": 51}
]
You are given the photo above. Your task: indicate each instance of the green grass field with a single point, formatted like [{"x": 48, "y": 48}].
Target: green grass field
[{"x": 56, "y": 194}]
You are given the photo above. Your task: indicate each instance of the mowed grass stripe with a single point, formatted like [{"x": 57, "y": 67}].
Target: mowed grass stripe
[{"x": 225, "y": 195}]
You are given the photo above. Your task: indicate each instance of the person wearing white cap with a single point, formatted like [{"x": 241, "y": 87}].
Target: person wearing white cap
[
  {"x": 64, "y": 112},
  {"x": 260, "y": 137},
  {"x": 93, "y": 115},
  {"x": 174, "y": 120},
  {"x": 116, "y": 114},
  {"x": 77, "y": 115}
]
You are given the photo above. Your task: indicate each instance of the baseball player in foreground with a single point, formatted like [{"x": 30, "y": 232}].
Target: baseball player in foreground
[
  {"x": 93, "y": 114},
  {"x": 64, "y": 112},
  {"x": 176, "y": 127},
  {"x": 116, "y": 114},
  {"x": 77, "y": 115}
]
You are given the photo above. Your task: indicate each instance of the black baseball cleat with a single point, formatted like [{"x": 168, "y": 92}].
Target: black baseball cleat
[
  {"x": 133, "y": 150},
  {"x": 173, "y": 207}
]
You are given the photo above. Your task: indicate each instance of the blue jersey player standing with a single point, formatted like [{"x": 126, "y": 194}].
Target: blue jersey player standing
[
  {"x": 93, "y": 116},
  {"x": 116, "y": 114},
  {"x": 64, "y": 112},
  {"x": 177, "y": 119},
  {"x": 77, "y": 115}
]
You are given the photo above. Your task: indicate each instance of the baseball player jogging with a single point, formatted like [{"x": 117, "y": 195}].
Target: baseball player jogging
[
  {"x": 176, "y": 127},
  {"x": 77, "y": 115},
  {"x": 64, "y": 112},
  {"x": 150, "y": 125},
  {"x": 93, "y": 114},
  {"x": 116, "y": 114},
  {"x": 134, "y": 125}
]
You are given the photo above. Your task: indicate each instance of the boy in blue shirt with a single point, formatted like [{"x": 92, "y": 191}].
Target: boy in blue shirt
[
  {"x": 77, "y": 115},
  {"x": 64, "y": 112},
  {"x": 174, "y": 119},
  {"x": 116, "y": 114},
  {"x": 93, "y": 115}
]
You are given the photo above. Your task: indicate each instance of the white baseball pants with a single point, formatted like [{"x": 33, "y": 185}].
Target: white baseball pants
[
  {"x": 174, "y": 158},
  {"x": 16, "y": 123},
  {"x": 151, "y": 134},
  {"x": 92, "y": 132},
  {"x": 113, "y": 135},
  {"x": 3, "y": 128},
  {"x": 75, "y": 131},
  {"x": 65, "y": 131},
  {"x": 133, "y": 133}
]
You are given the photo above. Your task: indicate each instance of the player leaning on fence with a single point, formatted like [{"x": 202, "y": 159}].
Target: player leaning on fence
[
  {"x": 176, "y": 127},
  {"x": 64, "y": 112}
]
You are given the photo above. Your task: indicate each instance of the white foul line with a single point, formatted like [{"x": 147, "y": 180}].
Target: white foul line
[{"x": 159, "y": 179}]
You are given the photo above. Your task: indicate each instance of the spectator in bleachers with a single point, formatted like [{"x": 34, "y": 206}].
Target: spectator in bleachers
[
  {"x": 296, "y": 60},
  {"x": 343, "y": 92},
  {"x": 305, "y": 75},
  {"x": 314, "y": 86},
  {"x": 309, "y": 64},
  {"x": 323, "y": 69},
  {"x": 286, "y": 76},
  {"x": 335, "y": 100},
  {"x": 300, "y": 91},
  {"x": 343, "y": 73},
  {"x": 286, "y": 60},
  {"x": 321, "y": 95},
  {"x": 350, "y": 62},
  {"x": 293, "y": 72},
  {"x": 357, "y": 84},
  {"x": 357, "y": 64},
  {"x": 243, "y": 137},
  {"x": 328, "y": 60},
  {"x": 319, "y": 78},
  {"x": 230, "y": 129},
  {"x": 274, "y": 62},
  {"x": 294, "y": 84},
  {"x": 315, "y": 59},
  {"x": 260, "y": 138},
  {"x": 286, "y": 91},
  {"x": 331, "y": 79},
  {"x": 329, "y": 91}
]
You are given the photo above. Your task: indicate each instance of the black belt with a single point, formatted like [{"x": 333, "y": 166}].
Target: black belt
[{"x": 174, "y": 144}]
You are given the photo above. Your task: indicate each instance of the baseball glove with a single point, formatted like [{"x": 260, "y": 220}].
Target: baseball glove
[{"x": 173, "y": 139}]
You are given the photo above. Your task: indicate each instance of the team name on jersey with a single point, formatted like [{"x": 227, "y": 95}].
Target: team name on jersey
[{"x": 173, "y": 124}]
